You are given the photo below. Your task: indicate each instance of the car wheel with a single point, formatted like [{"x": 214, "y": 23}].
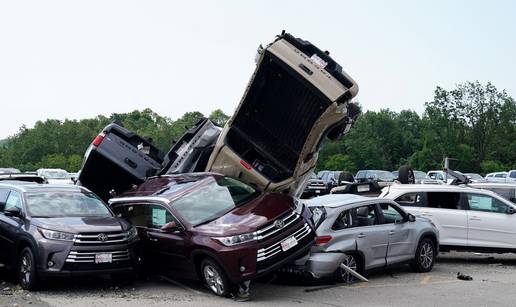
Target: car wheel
[
  {"x": 425, "y": 256},
  {"x": 27, "y": 269},
  {"x": 351, "y": 262},
  {"x": 215, "y": 278},
  {"x": 406, "y": 175}
]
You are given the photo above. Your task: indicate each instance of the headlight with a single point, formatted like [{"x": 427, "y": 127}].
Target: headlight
[
  {"x": 131, "y": 233},
  {"x": 56, "y": 235},
  {"x": 238, "y": 239}
]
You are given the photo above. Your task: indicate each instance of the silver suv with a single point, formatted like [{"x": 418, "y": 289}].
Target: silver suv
[{"x": 365, "y": 233}]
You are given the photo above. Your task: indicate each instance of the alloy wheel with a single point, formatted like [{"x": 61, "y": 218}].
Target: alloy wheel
[
  {"x": 213, "y": 279},
  {"x": 426, "y": 255},
  {"x": 350, "y": 262},
  {"x": 25, "y": 269}
]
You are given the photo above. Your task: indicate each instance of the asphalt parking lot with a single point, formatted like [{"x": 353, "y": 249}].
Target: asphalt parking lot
[{"x": 494, "y": 279}]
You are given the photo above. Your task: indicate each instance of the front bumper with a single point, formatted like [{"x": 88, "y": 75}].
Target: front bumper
[{"x": 66, "y": 259}]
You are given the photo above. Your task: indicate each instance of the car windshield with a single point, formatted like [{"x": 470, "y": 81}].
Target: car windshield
[
  {"x": 65, "y": 204},
  {"x": 383, "y": 175},
  {"x": 216, "y": 198},
  {"x": 57, "y": 174}
]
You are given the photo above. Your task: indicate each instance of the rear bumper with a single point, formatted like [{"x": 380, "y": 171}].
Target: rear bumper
[{"x": 321, "y": 265}]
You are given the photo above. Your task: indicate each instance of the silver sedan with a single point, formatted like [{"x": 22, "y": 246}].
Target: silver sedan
[{"x": 366, "y": 233}]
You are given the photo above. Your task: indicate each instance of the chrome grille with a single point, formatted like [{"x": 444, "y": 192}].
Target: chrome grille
[
  {"x": 100, "y": 238},
  {"x": 89, "y": 257},
  {"x": 270, "y": 251},
  {"x": 272, "y": 228}
]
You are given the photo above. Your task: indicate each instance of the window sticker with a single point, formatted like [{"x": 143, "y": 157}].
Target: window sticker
[{"x": 159, "y": 217}]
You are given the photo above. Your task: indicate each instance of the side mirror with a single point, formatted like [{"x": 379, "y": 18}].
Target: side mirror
[
  {"x": 170, "y": 227},
  {"x": 411, "y": 218},
  {"x": 13, "y": 211}
]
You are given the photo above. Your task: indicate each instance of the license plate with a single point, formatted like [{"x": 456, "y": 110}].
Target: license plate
[
  {"x": 363, "y": 188},
  {"x": 317, "y": 191},
  {"x": 288, "y": 243},
  {"x": 103, "y": 258}
]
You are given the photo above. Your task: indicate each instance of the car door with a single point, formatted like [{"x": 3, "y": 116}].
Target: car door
[
  {"x": 492, "y": 222},
  {"x": 401, "y": 237},
  {"x": 3, "y": 226},
  {"x": 10, "y": 226},
  {"x": 446, "y": 210},
  {"x": 161, "y": 249},
  {"x": 363, "y": 226}
]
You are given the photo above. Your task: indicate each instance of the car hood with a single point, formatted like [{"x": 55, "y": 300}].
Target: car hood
[
  {"x": 249, "y": 217},
  {"x": 82, "y": 224}
]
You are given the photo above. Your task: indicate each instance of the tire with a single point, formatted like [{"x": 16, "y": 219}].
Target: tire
[
  {"x": 353, "y": 262},
  {"x": 345, "y": 176},
  {"x": 27, "y": 274},
  {"x": 424, "y": 258},
  {"x": 406, "y": 175},
  {"x": 215, "y": 278}
]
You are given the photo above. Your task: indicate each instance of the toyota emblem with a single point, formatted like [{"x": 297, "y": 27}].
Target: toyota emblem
[
  {"x": 279, "y": 224},
  {"x": 103, "y": 237}
]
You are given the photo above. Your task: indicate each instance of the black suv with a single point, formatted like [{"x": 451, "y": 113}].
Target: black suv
[{"x": 48, "y": 230}]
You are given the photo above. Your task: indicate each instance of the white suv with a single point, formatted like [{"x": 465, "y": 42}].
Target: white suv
[{"x": 467, "y": 218}]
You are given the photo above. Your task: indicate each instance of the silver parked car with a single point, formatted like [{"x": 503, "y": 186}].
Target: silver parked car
[{"x": 365, "y": 233}]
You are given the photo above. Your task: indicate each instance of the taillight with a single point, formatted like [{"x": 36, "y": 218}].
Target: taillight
[
  {"x": 322, "y": 240},
  {"x": 98, "y": 139},
  {"x": 245, "y": 164}
]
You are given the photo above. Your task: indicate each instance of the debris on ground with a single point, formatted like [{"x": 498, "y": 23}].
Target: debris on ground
[{"x": 463, "y": 276}]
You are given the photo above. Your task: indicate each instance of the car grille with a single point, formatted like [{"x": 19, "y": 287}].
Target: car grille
[
  {"x": 286, "y": 221},
  {"x": 270, "y": 253},
  {"x": 101, "y": 238},
  {"x": 89, "y": 256}
]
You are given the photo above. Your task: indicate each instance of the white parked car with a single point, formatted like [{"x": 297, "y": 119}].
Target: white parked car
[
  {"x": 467, "y": 218},
  {"x": 496, "y": 177},
  {"x": 55, "y": 175}
]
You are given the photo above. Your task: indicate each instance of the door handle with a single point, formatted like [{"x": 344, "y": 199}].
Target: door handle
[
  {"x": 474, "y": 218},
  {"x": 361, "y": 235},
  {"x": 131, "y": 163},
  {"x": 391, "y": 233},
  {"x": 425, "y": 214},
  {"x": 153, "y": 239}
]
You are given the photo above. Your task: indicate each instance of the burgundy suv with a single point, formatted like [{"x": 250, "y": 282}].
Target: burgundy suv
[{"x": 218, "y": 229}]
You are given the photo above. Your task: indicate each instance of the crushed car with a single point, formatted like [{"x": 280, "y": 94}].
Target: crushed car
[
  {"x": 297, "y": 96},
  {"x": 214, "y": 228},
  {"x": 365, "y": 233}
]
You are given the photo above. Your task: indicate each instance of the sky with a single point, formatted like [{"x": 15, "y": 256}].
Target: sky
[{"x": 77, "y": 59}]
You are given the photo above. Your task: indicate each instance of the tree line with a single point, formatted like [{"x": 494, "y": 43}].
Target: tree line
[{"x": 474, "y": 123}]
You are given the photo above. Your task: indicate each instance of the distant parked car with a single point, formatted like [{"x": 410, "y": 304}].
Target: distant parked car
[
  {"x": 55, "y": 175},
  {"x": 315, "y": 187},
  {"x": 467, "y": 218},
  {"x": 496, "y": 177},
  {"x": 419, "y": 176},
  {"x": 382, "y": 177},
  {"x": 474, "y": 177},
  {"x": 364, "y": 233},
  {"x": 9, "y": 170},
  {"x": 58, "y": 230},
  {"x": 25, "y": 177},
  {"x": 212, "y": 227}
]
